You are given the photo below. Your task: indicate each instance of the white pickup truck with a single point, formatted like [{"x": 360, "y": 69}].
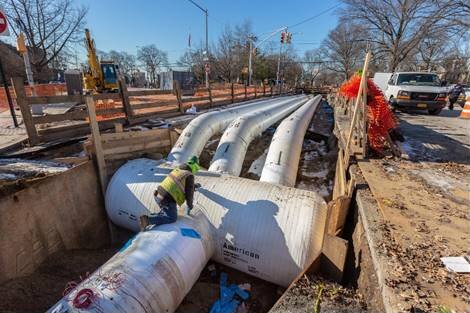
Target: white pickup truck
[{"x": 412, "y": 90}]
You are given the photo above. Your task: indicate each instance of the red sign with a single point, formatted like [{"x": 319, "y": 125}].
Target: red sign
[{"x": 3, "y": 24}]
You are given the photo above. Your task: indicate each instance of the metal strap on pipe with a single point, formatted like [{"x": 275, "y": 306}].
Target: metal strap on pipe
[{"x": 234, "y": 143}]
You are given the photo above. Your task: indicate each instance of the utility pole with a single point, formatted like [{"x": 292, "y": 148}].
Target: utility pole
[
  {"x": 252, "y": 38},
  {"x": 206, "y": 53},
  {"x": 250, "y": 70},
  {"x": 279, "y": 66}
]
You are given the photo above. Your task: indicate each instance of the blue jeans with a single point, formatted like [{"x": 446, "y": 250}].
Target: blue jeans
[{"x": 167, "y": 215}]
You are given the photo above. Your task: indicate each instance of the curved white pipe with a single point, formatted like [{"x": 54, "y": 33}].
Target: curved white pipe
[
  {"x": 265, "y": 230},
  {"x": 193, "y": 138},
  {"x": 233, "y": 144},
  {"x": 151, "y": 273},
  {"x": 282, "y": 160}
]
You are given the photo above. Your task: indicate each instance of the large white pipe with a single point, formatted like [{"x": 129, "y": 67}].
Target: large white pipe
[
  {"x": 265, "y": 230},
  {"x": 233, "y": 144},
  {"x": 282, "y": 160},
  {"x": 151, "y": 273},
  {"x": 202, "y": 128}
]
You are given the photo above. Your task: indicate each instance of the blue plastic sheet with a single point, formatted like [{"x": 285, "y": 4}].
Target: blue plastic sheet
[
  {"x": 189, "y": 232},
  {"x": 228, "y": 302}
]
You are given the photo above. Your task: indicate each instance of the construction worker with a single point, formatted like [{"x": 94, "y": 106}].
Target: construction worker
[
  {"x": 174, "y": 190},
  {"x": 454, "y": 95}
]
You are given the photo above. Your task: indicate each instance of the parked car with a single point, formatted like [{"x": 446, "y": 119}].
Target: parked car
[{"x": 413, "y": 90}]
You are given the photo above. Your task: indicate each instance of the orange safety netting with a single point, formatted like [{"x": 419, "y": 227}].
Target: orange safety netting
[{"x": 380, "y": 117}]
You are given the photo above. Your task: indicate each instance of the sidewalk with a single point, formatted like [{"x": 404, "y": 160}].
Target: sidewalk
[{"x": 11, "y": 137}]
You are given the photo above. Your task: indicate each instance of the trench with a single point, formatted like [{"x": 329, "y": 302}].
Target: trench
[{"x": 40, "y": 290}]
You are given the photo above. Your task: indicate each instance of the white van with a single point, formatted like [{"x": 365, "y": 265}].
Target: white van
[{"x": 412, "y": 90}]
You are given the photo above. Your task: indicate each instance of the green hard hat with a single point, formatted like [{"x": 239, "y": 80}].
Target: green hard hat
[{"x": 193, "y": 164}]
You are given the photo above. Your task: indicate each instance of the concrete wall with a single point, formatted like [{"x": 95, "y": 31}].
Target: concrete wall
[{"x": 61, "y": 212}]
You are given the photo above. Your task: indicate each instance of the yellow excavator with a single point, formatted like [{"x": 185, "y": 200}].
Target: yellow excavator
[{"x": 101, "y": 76}]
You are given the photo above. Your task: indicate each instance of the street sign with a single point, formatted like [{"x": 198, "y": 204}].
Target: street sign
[{"x": 3, "y": 24}]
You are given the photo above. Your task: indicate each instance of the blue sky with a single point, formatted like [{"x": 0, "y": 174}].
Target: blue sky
[{"x": 122, "y": 25}]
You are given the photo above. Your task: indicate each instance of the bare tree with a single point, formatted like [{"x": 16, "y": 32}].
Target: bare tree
[
  {"x": 125, "y": 61},
  {"x": 49, "y": 26},
  {"x": 432, "y": 50},
  {"x": 344, "y": 48},
  {"x": 194, "y": 61},
  {"x": 231, "y": 52},
  {"x": 399, "y": 26},
  {"x": 152, "y": 59},
  {"x": 314, "y": 65}
]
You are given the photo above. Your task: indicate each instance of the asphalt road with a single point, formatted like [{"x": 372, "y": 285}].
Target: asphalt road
[{"x": 441, "y": 138}]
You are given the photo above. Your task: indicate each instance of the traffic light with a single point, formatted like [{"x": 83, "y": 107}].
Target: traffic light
[
  {"x": 283, "y": 37},
  {"x": 289, "y": 38},
  {"x": 254, "y": 51}
]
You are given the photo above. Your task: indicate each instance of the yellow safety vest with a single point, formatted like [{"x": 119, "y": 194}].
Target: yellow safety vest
[{"x": 174, "y": 184}]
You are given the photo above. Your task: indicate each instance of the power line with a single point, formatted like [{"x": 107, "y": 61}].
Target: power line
[{"x": 315, "y": 16}]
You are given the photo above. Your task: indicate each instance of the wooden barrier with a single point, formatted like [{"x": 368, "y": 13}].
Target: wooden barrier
[
  {"x": 123, "y": 107},
  {"x": 121, "y": 145}
]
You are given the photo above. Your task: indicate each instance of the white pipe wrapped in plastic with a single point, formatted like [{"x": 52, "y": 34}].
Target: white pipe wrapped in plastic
[
  {"x": 202, "y": 128},
  {"x": 258, "y": 227},
  {"x": 265, "y": 230},
  {"x": 233, "y": 144},
  {"x": 282, "y": 160},
  {"x": 151, "y": 273}
]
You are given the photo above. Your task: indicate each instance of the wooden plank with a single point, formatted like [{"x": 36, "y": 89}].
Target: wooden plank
[
  {"x": 221, "y": 102},
  {"x": 73, "y": 160},
  {"x": 334, "y": 252},
  {"x": 109, "y": 111},
  {"x": 157, "y": 132},
  {"x": 95, "y": 132},
  {"x": 107, "y": 96},
  {"x": 136, "y": 93},
  {"x": 118, "y": 128},
  {"x": 177, "y": 89},
  {"x": 74, "y": 115},
  {"x": 54, "y": 99},
  {"x": 201, "y": 90},
  {"x": 174, "y": 135},
  {"x": 224, "y": 95},
  {"x": 338, "y": 211},
  {"x": 359, "y": 98},
  {"x": 342, "y": 173},
  {"x": 136, "y": 154},
  {"x": 232, "y": 93},
  {"x": 125, "y": 98},
  {"x": 163, "y": 114},
  {"x": 194, "y": 99},
  {"x": 210, "y": 96},
  {"x": 27, "y": 117},
  {"x": 111, "y": 144},
  {"x": 133, "y": 147},
  {"x": 147, "y": 105}
]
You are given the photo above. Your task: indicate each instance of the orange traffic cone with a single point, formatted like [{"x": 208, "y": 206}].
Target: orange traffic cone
[{"x": 466, "y": 109}]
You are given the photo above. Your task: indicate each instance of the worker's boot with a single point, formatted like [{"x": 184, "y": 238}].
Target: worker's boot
[{"x": 143, "y": 222}]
